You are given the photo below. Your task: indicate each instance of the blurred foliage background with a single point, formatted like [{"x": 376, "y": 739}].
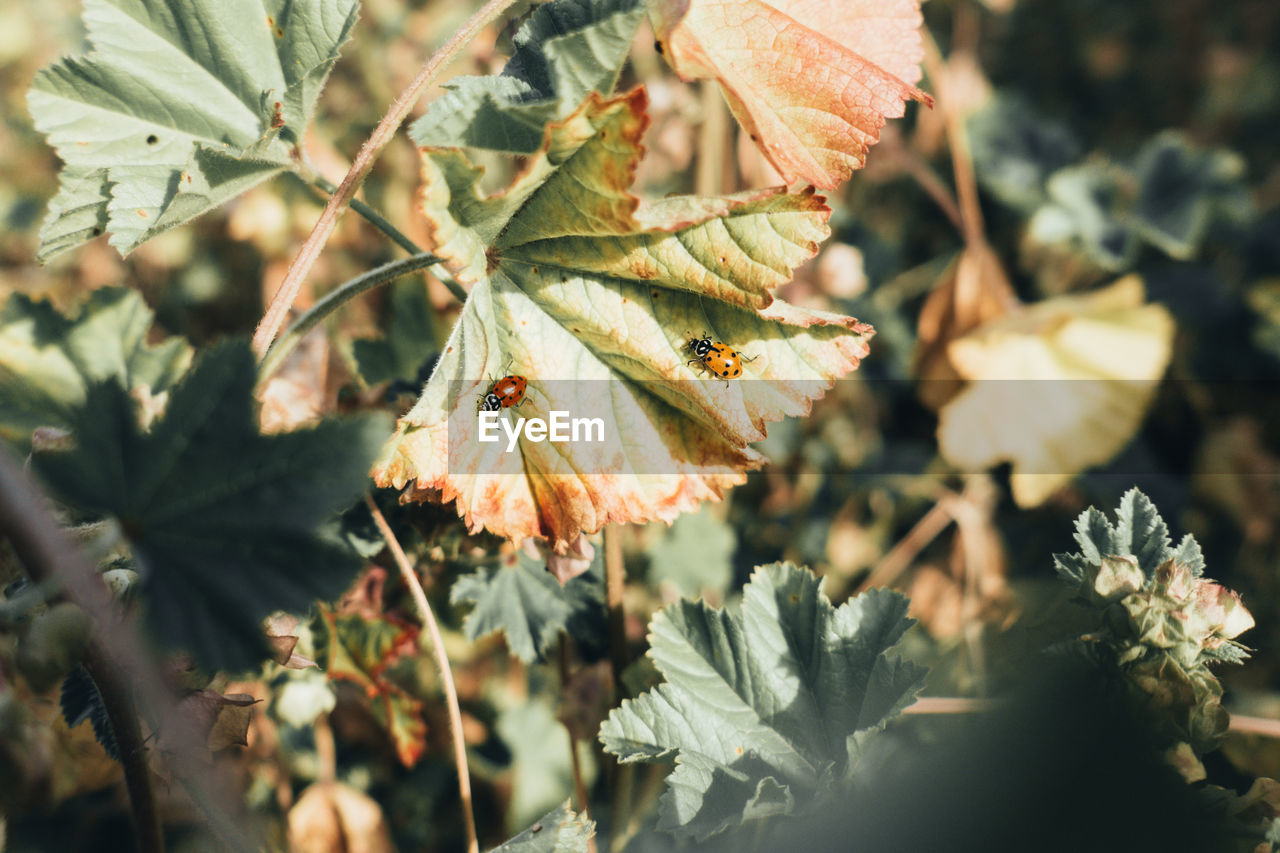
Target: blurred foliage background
[{"x": 1106, "y": 139}]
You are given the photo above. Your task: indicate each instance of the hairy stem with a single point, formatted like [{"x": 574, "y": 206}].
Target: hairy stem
[
  {"x": 48, "y": 554},
  {"x": 579, "y": 784},
  {"x": 306, "y": 258},
  {"x": 335, "y": 299},
  {"x": 442, "y": 660}
]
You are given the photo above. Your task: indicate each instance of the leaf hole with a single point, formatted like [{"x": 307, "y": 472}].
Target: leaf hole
[{"x": 152, "y": 139}]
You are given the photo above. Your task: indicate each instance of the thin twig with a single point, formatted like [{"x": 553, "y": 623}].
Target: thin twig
[
  {"x": 958, "y": 142},
  {"x": 950, "y": 705},
  {"x": 442, "y": 660},
  {"x": 579, "y": 784},
  {"x": 1255, "y": 726},
  {"x": 335, "y": 299},
  {"x": 900, "y": 555},
  {"x": 925, "y": 175},
  {"x": 307, "y": 256},
  {"x": 47, "y": 554}
]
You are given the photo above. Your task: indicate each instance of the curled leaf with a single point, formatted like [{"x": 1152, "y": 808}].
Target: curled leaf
[{"x": 812, "y": 81}]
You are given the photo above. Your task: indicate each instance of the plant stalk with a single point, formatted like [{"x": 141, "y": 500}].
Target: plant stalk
[
  {"x": 335, "y": 299},
  {"x": 442, "y": 660},
  {"x": 307, "y": 256}
]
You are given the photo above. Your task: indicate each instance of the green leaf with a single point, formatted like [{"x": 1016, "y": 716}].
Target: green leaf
[
  {"x": 1085, "y": 212},
  {"x": 222, "y": 520},
  {"x": 359, "y": 649},
  {"x": 765, "y": 706},
  {"x": 541, "y": 762},
  {"x": 48, "y": 360},
  {"x": 409, "y": 340},
  {"x": 1141, "y": 531},
  {"x": 558, "y": 831},
  {"x": 695, "y": 554},
  {"x": 1015, "y": 150},
  {"x": 529, "y": 606},
  {"x": 1095, "y": 534},
  {"x": 566, "y": 50},
  {"x": 1182, "y": 189},
  {"x": 177, "y": 109}
]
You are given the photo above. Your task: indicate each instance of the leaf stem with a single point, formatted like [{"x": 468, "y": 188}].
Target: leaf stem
[
  {"x": 958, "y": 142},
  {"x": 335, "y": 299},
  {"x": 117, "y": 701},
  {"x": 579, "y": 784},
  {"x": 377, "y": 220},
  {"x": 46, "y": 553},
  {"x": 442, "y": 660},
  {"x": 284, "y": 297},
  {"x": 615, "y": 581}
]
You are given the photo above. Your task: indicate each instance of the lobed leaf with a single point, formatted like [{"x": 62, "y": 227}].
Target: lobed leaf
[
  {"x": 530, "y": 606},
  {"x": 764, "y": 707},
  {"x": 593, "y": 299},
  {"x": 176, "y": 110},
  {"x": 812, "y": 81},
  {"x": 566, "y": 50},
  {"x": 48, "y": 360},
  {"x": 224, "y": 522}
]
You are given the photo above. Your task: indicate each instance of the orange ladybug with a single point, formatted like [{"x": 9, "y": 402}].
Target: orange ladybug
[{"x": 722, "y": 360}]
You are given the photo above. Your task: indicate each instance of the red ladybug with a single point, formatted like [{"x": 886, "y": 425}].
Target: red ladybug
[
  {"x": 719, "y": 358},
  {"x": 507, "y": 391}
]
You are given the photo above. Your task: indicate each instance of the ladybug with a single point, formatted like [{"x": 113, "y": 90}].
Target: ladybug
[
  {"x": 505, "y": 393},
  {"x": 722, "y": 360}
]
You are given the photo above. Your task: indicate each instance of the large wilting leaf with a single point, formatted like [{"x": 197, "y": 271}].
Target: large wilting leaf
[
  {"x": 558, "y": 831},
  {"x": 178, "y": 108},
  {"x": 358, "y": 649},
  {"x": 530, "y": 607},
  {"x": 47, "y": 360},
  {"x": 223, "y": 521},
  {"x": 592, "y": 300},
  {"x": 767, "y": 706},
  {"x": 1057, "y": 388},
  {"x": 567, "y": 49},
  {"x": 812, "y": 81}
]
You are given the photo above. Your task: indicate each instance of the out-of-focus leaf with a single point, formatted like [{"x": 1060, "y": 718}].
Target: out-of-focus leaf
[
  {"x": 593, "y": 301},
  {"x": 1264, "y": 299},
  {"x": 1086, "y": 212},
  {"x": 360, "y": 650},
  {"x": 766, "y": 706},
  {"x": 80, "y": 701},
  {"x": 1015, "y": 150},
  {"x": 696, "y": 555},
  {"x": 1181, "y": 190},
  {"x": 530, "y": 607},
  {"x": 567, "y": 49},
  {"x": 178, "y": 109},
  {"x": 557, "y": 831},
  {"x": 48, "y": 360},
  {"x": 333, "y": 816},
  {"x": 1056, "y": 388},
  {"x": 542, "y": 765},
  {"x": 222, "y": 520},
  {"x": 409, "y": 340},
  {"x": 812, "y": 81}
]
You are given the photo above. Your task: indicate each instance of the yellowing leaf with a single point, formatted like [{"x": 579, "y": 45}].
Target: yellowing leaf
[
  {"x": 592, "y": 300},
  {"x": 1057, "y": 388},
  {"x": 812, "y": 81}
]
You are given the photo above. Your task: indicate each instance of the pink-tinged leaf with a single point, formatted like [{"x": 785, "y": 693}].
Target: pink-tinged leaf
[{"x": 812, "y": 81}]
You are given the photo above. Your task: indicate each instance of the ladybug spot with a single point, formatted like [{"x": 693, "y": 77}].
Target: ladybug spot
[{"x": 152, "y": 139}]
